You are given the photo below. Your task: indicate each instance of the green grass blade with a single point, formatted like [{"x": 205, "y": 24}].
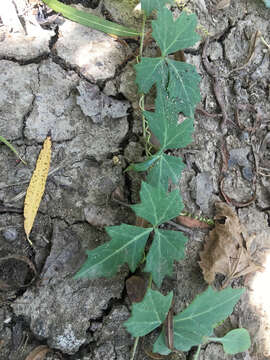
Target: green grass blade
[
  {"x": 11, "y": 148},
  {"x": 91, "y": 20}
]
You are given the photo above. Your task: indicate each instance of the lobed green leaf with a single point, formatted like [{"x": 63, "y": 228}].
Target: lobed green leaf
[
  {"x": 148, "y": 314},
  {"x": 156, "y": 204},
  {"x": 150, "y": 71},
  {"x": 173, "y": 35},
  {"x": 197, "y": 321},
  {"x": 164, "y": 169},
  {"x": 145, "y": 165},
  {"x": 149, "y": 5},
  {"x": 179, "y": 79},
  {"x": 235, "y": 341},
  {"x": 127, "y": 246},
  {"x": 164, "y": 123},
  {"x": 167, "y": 246},
  {"x": 183, "y": 85}
]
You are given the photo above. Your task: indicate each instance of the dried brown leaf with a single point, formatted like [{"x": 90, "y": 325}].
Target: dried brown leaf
[
  {"x": 136, "y": 288},
  {"x": 39, "y": 353},
  {"x": 225, "y": 250}
]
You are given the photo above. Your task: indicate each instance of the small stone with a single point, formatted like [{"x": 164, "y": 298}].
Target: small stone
[
  {"x": 204, "y": 190},
  {"x": 10, "y": 234}
]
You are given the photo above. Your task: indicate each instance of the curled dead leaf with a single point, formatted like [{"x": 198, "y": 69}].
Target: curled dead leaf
[
  {"x": 39, "y": 353},
  {"x": 227, "y": 248}
]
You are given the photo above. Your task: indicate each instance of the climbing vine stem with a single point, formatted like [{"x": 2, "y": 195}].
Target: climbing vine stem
[
  {"x": 146, "y": 132},
  {"x": 196, "y": 357}
]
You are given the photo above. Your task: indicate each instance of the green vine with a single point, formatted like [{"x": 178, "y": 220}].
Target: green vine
[{"x": 177, "y": 94}]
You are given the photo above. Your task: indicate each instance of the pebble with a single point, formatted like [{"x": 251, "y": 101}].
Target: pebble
[{"x": 10, "y": 234}]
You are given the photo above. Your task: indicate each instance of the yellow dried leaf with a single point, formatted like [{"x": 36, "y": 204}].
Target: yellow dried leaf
[{"x": 36, "y": 187}]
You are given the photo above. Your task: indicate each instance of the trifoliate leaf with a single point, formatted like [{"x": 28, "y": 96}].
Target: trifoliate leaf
[
  {"x": 127, "y": 246},
  {"x": 148, "y": 314},
  {"x": 180, "y": 79},
  {"x": 150, "y": 71},
  {"x": 173, "y": 35},
  {"x": 157, "y": 206},
  {"x": 167, "y": 246},
  {"x": 149, "y": 5},
  {"x": 235, "y": 341},
  {"x": 184, "y": 85},
  {"x": 143, "y": 166},
  {"x": 164, "y": 169},
  {"x": 164, "y": 123},
  {"x": 197, "y": 321}
]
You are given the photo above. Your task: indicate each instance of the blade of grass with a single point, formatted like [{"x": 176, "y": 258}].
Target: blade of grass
[
  {"x": 11, "y": 148},
  {"x": 91, "y": 20}
]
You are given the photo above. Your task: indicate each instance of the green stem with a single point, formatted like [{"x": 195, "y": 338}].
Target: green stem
[
  {"x": 144, "y": 125},
  {"x": 196, "y": 357},
  {"x": 141, "y": 103}
]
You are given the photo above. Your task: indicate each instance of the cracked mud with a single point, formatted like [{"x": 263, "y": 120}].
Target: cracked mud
[{"x": 60, "y": 76}]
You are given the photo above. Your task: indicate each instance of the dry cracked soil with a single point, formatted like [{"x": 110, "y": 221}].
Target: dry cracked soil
[{"x": 79, "y": 83}]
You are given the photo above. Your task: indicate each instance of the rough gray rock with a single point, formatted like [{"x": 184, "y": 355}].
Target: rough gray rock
[
  {"x": 237, "y": 52},
  {"x": 214, "y": 352},
  {"x": 189, "y": 280},
  {"x": 60, "y": 309},
  {"x": 25, "y": 47},
  {"x": 124, "y": 12},
  {"x": 204, "y": 191},
  {"x": 22, "y": 40},
  {"x": 96, "y": 54},
  {"x": 55, "y": 108},
  {"x": 19, "y": 84},
  {"x": 98, "y": 106},
  {"x": 53, "y": 105},
  {"x": 127, "y": 80},
  {"x": 114, "y": 332},
  {"x": 239, "y": 157}
]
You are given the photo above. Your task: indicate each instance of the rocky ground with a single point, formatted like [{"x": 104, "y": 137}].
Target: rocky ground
[{"x": 79, "y": 83}]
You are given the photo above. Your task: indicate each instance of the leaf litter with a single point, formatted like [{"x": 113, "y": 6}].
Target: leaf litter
[{"x": 227, "y": 248}]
